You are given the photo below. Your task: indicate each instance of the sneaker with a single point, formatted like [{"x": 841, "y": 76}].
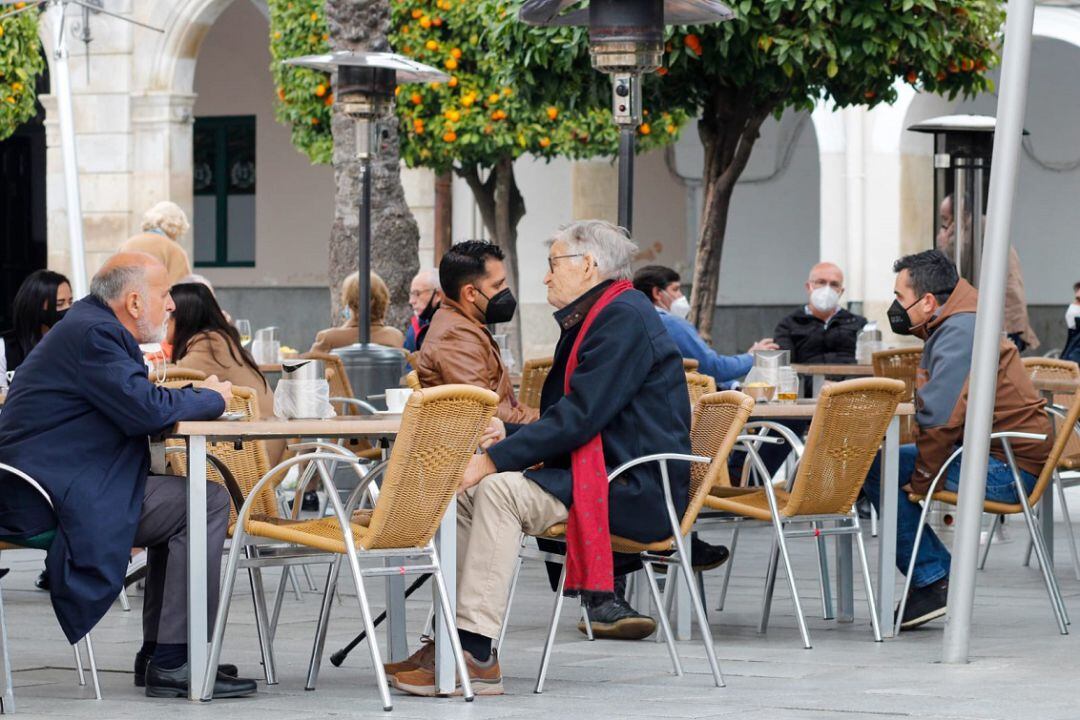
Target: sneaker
[
  {"x": 485, "y": 678},
  {"x": 422, "y": 658},
  {"x": 136, "y": 569},
  {"x": 703, "y": 556},
  {"x": 310, "y": 503},
  {"x": 925, "y": 604},
  {"x": 617, "y": 620}
]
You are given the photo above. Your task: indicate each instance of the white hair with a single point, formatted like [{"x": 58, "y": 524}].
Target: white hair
[
  {"x": 111, "y": 285},
  {"x": 432, "y": 276},
  {"x": 608, "y": 245},
  {"x": 167, "y": 217}
]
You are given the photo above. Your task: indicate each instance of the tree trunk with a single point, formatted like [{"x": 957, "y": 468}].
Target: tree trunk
[
  {"x": 729, "y": 126},
  {"x": 363, "y": 25},
  {"x": 501, "y": 208}
]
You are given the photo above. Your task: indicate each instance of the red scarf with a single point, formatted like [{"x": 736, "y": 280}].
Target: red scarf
[{"x": 588, "y": 537}]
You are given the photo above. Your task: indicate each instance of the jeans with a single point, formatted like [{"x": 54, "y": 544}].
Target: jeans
[{"x": 933, "y": 560}]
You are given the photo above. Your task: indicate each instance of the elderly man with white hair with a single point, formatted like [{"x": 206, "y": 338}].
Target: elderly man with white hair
[
  {"x": 822, "y": 332},
  {"x": 77, "y": 420},
  {"x": 425, "y": 296},
  {"x": 616, "y": 392},
  {"x": 162, "y": 227}
]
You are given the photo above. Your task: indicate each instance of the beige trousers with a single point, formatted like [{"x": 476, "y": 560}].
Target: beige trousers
[{"x": 491, "y": 517}]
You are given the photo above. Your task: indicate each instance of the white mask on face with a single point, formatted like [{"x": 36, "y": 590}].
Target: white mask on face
[
  {"x": 1071, "y": 314},
  {"x": 824, "y": 298},
  {"x": 680, "y": 307}
]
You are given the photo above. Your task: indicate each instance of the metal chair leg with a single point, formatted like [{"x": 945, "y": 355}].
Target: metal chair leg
[
  {"x": 279, "y": 600},
  {"x": 293, "y": 582},
  {"x": 125, "y": 604},
  {"x": 549, "y": 643},
  {"x": 873, "y": 521},
  {"x": 770, "y": 585},
  {"x": 1047, "y": 569},
  {"x": 699, "y": 607},
  {"x": 867, "y": 582},
  {"x": 450, "y": 624},
  {"x": 1068, "y": 524},
  {"x": 224, "y": 604},
  {"x": 791, "y": 583},
  {"x": 79, "y": 665},
  {"x": 324, "y": 622},
  {"x": 665, "y": 622},
  {"x": 262, "y": 624},
  {"x": 994, "y": 520},
  {"x": 7, "y": 688},
  {"x": 727, "y": 570},
  {"x": 587, "y": 622},
  {"x": 823, "y": 577},
  {"x": 310, "y": 580},
  {"x": 429, "y": 624},
  {"x": 509, "y": 600},
  {"x": 92, "y": 661}
]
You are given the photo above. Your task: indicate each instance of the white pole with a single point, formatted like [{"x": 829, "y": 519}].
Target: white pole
[
  {"x": 62, "y": 91},
  {"x": 1012, "y": 101}
]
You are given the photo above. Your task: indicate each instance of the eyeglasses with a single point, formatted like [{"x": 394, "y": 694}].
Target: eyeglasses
[
  {"x": 835, "y": 285},
  {"x": 553, "y": 258},
  {"x": 415, "y": 294}
]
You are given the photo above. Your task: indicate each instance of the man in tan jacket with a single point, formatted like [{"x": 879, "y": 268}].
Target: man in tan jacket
[{"x": 458, "y": 347}]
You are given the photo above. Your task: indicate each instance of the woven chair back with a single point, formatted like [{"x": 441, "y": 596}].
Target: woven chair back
[
  {"x": 248, "y": 464},
  {"x": 1065, "y": 433},
  {"x": 533, "y": 376},
  {"x": 440, "y": 431},
  {"x": 845, "y": 434},
  {"x": 718, "y": 419},
  {"x": 1042, "y": 368},
  {"x": 172, "y": 372},
  {"x": 690, "y": 364},
  {"x": 412, "y": 380},
  {"x": 699, "y": 385},
  {"x": 901, "y": 364}
]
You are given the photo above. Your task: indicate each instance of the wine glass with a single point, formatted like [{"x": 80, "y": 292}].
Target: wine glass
[{"x": 244, "y": 328}]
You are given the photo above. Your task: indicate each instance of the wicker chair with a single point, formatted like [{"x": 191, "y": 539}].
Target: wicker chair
[
  {"x": 412, "y": 381},
  {"x": 1024, "y": 507},
  {"x": 175, "y": 373},
  {"x": 847, "y": 429},
  {"x": 901, "y": 364},
  {"x": 533, "y": 376},
  {"x": 38, "y": 542},
  {"x": 699, "y": 385},
  {"x": 690, "y": 364},
  {"x": 440, "y": 431},
  {"x": 719, "y": 415}
]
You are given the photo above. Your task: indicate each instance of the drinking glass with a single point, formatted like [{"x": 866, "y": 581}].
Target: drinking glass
[
  {"x": 244, "y": 328},
  {"x": 787, "y": 385}
]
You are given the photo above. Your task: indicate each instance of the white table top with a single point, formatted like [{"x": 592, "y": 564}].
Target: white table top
[
  {"x": 804, "y": 410},
  {"x": 348, "y": 426}
]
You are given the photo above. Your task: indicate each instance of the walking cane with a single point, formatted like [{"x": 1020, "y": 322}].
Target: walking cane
[{"x": 339, "y": 657}]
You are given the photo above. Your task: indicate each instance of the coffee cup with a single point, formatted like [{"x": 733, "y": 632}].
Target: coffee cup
[{"x": 396, "y": 399}]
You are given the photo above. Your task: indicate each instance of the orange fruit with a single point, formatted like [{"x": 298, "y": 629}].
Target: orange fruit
[
  {"x": 493, "y": 98},
  {"x": 662, "y": 71},
  {"x": 545, "y": 142},
  {"x": 404, "y": 29},
  {"x": 869, "y": 94},
  {"x": 329, "y": 100},
  {"x": 451, "y": 64},
  {"x": 449, "y": 136},
  {"x": 507, "y": 92},
  {"x": 452, "y": 115},
  {"x": 397, "y": 91},
  {"x": 425, "y": 22},
  {"x": 320, "y": 90},
  {"x": 431, "y": 45},
  {"x": 416, "y": 99},
  {"x": 314, "y": 17},
  {"x": 644, "y": 129},
  {"x": 912, "y": 77},
  {"x": 437, "y": 22},
  {"x": 452, "y": 82},
  {"x": 552, "y": 112},
  {"x": 277, "y": 35},
  {"x": 468, "y": 99},
  {"x": 456, "y": 53},
  {"x": 671, "y": 129},
  {"x": 417, "y": 14},
  {"x": 314, "y": 121},
  {"x": 281, "y": 93}
]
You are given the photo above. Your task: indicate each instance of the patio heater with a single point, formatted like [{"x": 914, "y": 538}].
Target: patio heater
[
  {"x": 626, "y": 40},
  {"x": 963, "y": 148},
  {"x": 364, "y": 91}
]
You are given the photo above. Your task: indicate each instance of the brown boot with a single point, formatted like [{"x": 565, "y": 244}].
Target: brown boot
[
  {"x": 424, "y": 657},
  {"x": 485, "y": 678}
]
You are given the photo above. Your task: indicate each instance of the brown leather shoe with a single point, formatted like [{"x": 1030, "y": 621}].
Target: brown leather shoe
[
  {"x": 422, "y": 658},
  {"x": 485, "y": 678}
]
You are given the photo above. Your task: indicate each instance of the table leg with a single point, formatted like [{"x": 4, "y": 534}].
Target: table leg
[
  {"x": 818, "y": 383},
  {"x": 397, "y": 640},
  {"x": 446, "y": 546},
  {"x": 890, "y": 485},
  {"x": 196, "y": 580},
  {"x": 845, "y": 586}
]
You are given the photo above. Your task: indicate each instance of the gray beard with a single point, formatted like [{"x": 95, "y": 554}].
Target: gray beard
[{"x": 148, "y": 334}]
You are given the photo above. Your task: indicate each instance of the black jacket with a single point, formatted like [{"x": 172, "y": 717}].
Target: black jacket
[
  {"x": 1072, "y": 346},
  {"x": 630, "y": 387},
  {"x": 813, "y": 342}
]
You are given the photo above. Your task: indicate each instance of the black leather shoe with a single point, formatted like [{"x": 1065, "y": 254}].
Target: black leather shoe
[
  {"x": 616, "y": 620},
  {"x": 161, "y": 683},
  {"x": 3, "y": 572},
  {"x": 42, "y": 582},
  {"x": 141, "y": 661},
  {"x": 703, "y": 556}
]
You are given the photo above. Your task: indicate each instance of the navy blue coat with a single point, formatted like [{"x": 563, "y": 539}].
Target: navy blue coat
[
  {"x": 77, "y": 420},
  {"x": 630, "y": 388}
]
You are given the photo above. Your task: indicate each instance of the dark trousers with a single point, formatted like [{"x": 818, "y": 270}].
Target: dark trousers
[{"x": 163, "y": 532}]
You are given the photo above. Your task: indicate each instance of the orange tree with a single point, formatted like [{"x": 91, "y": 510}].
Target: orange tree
[
  {"x": 779, "y": 54},
  {"x": 513, "y": 90},
  {"x": 20, "y": 64}
]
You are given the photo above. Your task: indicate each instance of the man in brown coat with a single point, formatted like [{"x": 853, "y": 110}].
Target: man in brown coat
[{"x": 458, "y": 347}]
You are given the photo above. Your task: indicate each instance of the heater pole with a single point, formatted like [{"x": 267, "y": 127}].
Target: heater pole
[
  {"x": 363, "y": 247},
  {"x": 626, "y": 178}
]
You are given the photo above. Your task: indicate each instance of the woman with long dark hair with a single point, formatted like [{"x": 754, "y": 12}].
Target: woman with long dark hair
[
  {"x": 42, "y": 300},
  {"x": 203, "y": 339}
]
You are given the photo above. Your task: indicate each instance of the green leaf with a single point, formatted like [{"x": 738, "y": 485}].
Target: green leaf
[{"x": 832, "y": 69}]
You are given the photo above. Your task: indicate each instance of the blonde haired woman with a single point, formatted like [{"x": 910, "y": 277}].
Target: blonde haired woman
[
  {"x": 162, "y": 227},
  {"x": 348, "y": 332}
]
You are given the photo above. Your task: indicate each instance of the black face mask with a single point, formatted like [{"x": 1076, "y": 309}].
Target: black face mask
[
  {"x": 899, "y": 320},
  {"x": 429, "y": 310},
  {"x": 500, "y": 307},
  {"x": 54, "y": 316}
]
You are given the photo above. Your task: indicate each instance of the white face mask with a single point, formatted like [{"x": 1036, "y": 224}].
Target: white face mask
[
  {"x": 824, "y": 298},
  {"x": 1071, "y": 314},
  {"x": 680, "y": 307}
]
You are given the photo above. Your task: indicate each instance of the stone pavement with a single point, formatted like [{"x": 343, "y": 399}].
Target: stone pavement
[{"x": 1021, "y": 667}]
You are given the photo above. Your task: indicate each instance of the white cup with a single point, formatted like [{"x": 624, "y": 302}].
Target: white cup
[{"x": 396, "y": 399}]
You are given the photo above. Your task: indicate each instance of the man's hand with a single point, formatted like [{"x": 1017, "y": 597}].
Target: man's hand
[
  {"x": 221, "y": 387},
  {"x": 495, "y": 432},
  {"x": 480, "y": 466},
  {"x": 764, "y": 344}
]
